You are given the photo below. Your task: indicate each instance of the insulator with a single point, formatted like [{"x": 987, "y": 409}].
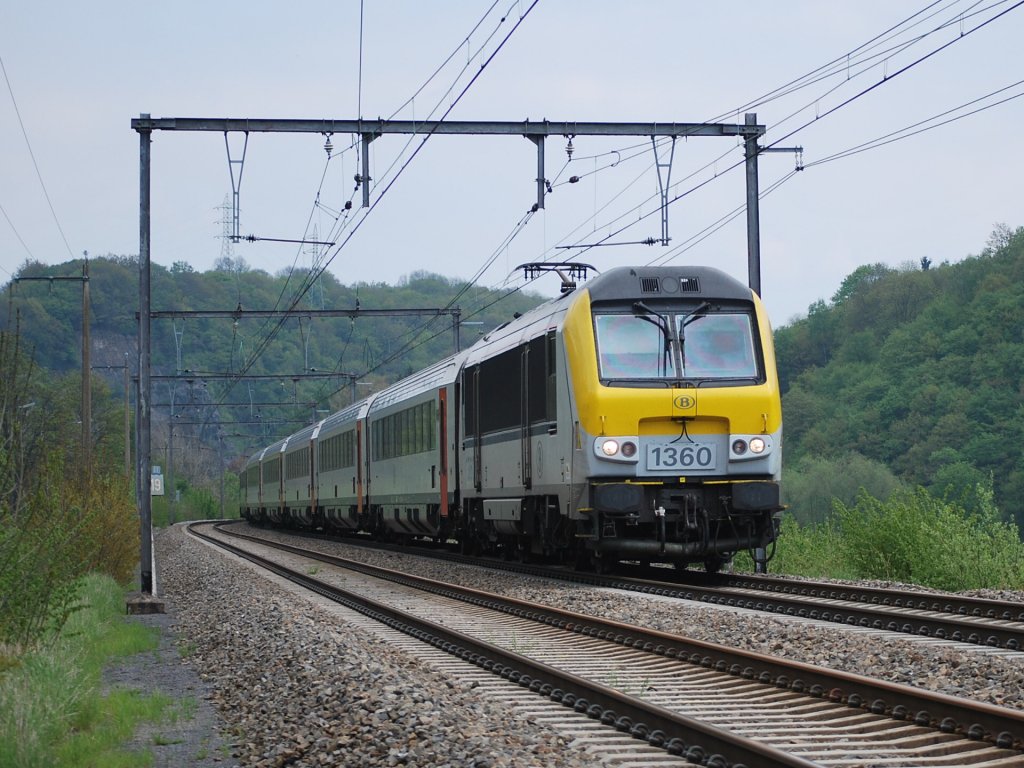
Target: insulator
[
  {"x": 328, "y": 147},
  {"x": 573, "y": 179}
]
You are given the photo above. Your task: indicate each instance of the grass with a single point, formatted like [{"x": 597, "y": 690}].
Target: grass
[{"x": 53, "y": 712}]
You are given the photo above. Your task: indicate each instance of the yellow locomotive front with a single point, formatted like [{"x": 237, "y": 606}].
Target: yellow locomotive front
[{"x": 678, "y": 416}]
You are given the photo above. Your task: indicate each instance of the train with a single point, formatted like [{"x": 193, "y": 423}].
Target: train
[{"x": 635, "y": 417}]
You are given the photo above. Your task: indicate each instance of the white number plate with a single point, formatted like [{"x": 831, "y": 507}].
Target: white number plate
[{"x": 681, "y": 457}]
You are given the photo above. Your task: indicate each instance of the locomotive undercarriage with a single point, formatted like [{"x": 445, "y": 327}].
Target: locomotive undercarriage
[
  {"x": 523, "y": 529},
  {"x": 680, "y": 524},
  {"x": 646, "y": 522}
]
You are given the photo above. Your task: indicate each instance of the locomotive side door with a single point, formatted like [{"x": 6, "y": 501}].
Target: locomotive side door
[
  {"x": 524, "y": 416},
  {"x": 442, "y": 414},
  {"x": 478, "y": 481},
  {"x": 359, "y": 468}
]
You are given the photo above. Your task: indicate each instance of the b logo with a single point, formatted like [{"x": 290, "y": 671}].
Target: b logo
[{"x": 685, "y": 402}]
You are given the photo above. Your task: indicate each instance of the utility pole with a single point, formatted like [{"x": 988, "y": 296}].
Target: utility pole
[
  {"x": 127, "y": 424},
  {"x": 86, "y": 373},
  {"x": 750, "y": 152},
  {"x": 170, "y": 468},
  {"x": 142, "y": 418}
]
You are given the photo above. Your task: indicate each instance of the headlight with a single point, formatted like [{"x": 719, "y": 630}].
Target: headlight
[
  {"x": 616, "y": 448},
  {"x": 749, "y": 447}
]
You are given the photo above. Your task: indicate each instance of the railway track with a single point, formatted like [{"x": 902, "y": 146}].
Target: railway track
[
  {"x": 742, "y": 708},
  {"x": 961, "y": 605},
  {"x": 980, "y": 622}
]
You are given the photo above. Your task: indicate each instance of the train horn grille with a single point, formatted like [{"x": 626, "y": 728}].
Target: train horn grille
[{"x": 650, "y": 285}]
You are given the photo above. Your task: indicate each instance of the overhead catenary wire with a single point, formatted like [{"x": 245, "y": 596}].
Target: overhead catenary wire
[
  {"x": 844, "y": 62},
  {"x": 711, "y": 229},
  {"x": 447, "y": 61},
  {"x": 263, "y": 343},
  {"x": 14, "y": 229},
  {"x": 336, "y": 233},
  {"x": 922, "y": 126},
  {"x": 885, "y": 78},
  {"x": 35, "y": 164}
]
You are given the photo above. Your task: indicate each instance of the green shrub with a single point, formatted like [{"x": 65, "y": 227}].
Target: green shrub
[
  {"x": 60, "y": 533},
  {"x": 802, "y": 550},
  {"x": 916, "y": 538}
]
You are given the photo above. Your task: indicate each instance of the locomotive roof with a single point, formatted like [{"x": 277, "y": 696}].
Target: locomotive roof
[
  {"x": 620, "y": 283},
  {"x": 666, "y": 282}
]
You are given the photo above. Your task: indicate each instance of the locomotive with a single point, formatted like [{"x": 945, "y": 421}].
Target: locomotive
[{"x": 636, "y": 417}]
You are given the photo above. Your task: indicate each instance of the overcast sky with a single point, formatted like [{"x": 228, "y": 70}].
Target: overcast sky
[{"x": 79, "y": 72}]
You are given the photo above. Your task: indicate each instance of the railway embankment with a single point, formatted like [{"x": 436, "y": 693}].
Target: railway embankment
[{"x": 287, "y": 683}]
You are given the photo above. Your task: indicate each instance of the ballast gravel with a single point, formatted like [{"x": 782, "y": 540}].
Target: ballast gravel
[
  {"x": 991, "y": 677},
  {"x": 296, "y": 687}
]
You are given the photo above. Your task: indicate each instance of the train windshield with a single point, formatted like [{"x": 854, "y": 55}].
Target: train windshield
[
  {"x": 717, "y": 346},
  {"x": 633, "y": 347},
  {"x": 701, "y": 346}
]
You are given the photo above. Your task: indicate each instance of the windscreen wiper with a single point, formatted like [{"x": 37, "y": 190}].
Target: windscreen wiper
[
  {"x": 688, "y": 318},
  {"x": 644, "y": 312}
]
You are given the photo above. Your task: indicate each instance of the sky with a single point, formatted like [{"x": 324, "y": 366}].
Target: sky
[{"x": 75, "y": 74}]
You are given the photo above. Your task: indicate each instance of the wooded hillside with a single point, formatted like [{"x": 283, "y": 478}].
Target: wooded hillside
[
  {"x": 920, "y": 370},
  {"x": 379, "y": 350}
]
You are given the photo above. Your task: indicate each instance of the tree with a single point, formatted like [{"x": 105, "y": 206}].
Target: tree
[
  {"x": 861, "y": 276},
  {"x": 813, "y": 484}
]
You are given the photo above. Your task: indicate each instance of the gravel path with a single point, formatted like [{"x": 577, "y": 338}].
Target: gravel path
[
  {"x": 189, "y": 736},
  {"x": 294, "y": 687}
]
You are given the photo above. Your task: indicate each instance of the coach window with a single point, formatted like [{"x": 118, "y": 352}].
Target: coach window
[
  {"x": 499, "y": 391},
  {"x": 408, "y": 445},
  {"x": 541, "y": 379}
]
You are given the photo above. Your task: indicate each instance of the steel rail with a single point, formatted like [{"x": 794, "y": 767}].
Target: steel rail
[
  {"x": 962, "y": 627},
  {"x": 660, "y": 727},
  {"x": 973, "y": 720},
  {"x": 964, "y": 605},
  {"x": 957, "y": 626}
]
